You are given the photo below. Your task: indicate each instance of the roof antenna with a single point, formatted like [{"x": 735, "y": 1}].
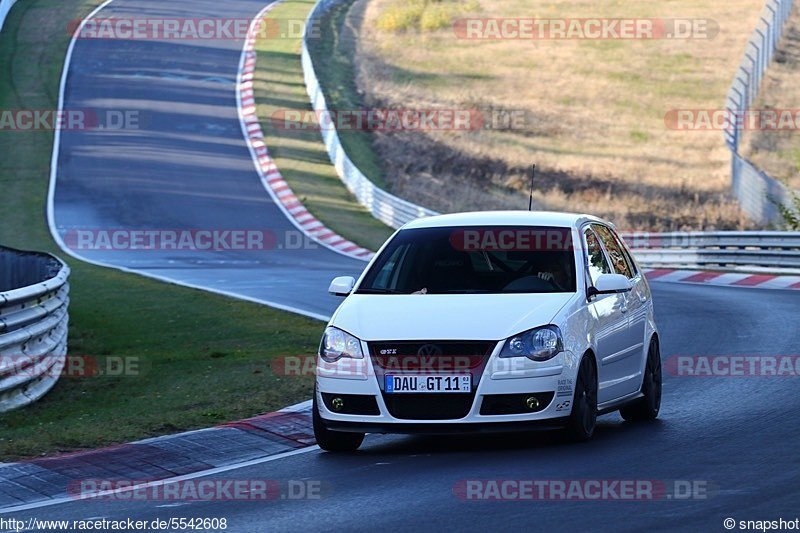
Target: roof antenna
[{"x": 530, "y": 198}]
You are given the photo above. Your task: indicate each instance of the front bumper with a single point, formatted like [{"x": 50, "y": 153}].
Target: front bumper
[
  {"x": 446, "y": 427},
  {"x": 553, "y": 379}
]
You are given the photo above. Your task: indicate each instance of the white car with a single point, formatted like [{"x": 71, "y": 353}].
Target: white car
[{"x": 489, "y": 321}]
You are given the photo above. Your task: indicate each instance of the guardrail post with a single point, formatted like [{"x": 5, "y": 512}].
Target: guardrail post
[{"x": 750, "y": 189}]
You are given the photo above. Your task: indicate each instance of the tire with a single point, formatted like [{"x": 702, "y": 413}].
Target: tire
[
  {"x": 333, "y": 441},
  {"x": 647, "y": 407},
  {"x": 583, "y": 417}
]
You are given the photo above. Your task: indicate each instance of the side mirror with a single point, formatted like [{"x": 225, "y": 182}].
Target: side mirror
[
  {"x": 610, "y": 284},
  {"x": 342, "y": 286}
]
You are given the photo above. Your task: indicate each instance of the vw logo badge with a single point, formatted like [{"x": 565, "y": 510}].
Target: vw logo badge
[{"x": 429, "y": 349}]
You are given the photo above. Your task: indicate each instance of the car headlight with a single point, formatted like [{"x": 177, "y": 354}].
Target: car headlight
[
  {"x": 538, "y": 344},
  {"x": 337, "y": 344}
]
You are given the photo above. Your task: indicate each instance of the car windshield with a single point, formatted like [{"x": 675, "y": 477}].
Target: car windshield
[{"x": 465, "y": 260}]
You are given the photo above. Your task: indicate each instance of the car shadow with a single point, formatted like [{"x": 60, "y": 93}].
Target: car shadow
[{"x": 611, "y": 430}]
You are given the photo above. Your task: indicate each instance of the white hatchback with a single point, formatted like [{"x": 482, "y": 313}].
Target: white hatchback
[{"x": 489, "y": 321}]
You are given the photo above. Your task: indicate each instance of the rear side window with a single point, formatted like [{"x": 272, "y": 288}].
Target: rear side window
[
  {"x": 628, "y": 256},
  {"x": 597, "y": 262},
  {"x": 616, "y": 253}
]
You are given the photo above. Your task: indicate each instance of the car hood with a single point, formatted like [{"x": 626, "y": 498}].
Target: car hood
[{"x": 373, "y": 317}]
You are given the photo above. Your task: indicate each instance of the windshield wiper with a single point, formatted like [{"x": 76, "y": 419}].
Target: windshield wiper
[
  {"x": 466, "y": 291},
  {"x": 370, "y": 290}
]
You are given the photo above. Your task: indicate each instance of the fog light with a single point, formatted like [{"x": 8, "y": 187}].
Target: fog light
[
  {"x": 532, "y": 402},
  {"x": 338, "y": 404}
]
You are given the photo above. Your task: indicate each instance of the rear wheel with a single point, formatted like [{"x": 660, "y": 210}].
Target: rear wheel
[
  {"x": 647, "y": 407},
  {"x": 584, "y": 406},
  {"x": 333, "y": 441}
]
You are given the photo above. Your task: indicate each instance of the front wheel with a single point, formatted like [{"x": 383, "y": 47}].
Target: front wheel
[
  {"x": 584, "y": 406},
  {"x": 647, "y": 407},
  {"x": 333, "y": 441}
]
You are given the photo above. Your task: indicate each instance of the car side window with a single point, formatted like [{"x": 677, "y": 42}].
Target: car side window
[
  {"x": 615, "y": 251},
  {"x": 629, "y": 257},
  {"x": 598, "y": 264}
]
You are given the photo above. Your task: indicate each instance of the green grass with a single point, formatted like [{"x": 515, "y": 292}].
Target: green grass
[
  {"x": 300, "y": 153},
  {"x": 792, "y": 156},
  {"x": 423, "y": 15},
  {"x": 205, "y": 359}
]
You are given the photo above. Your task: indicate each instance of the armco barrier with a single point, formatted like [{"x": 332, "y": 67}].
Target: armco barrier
[
  {"x": 34, "y": 297},
  {"x": 5, "y": 7},
  {"x": 386, "y": 207},
  {"x": 777, "y": 251},
  {"x": 755, "y": 189}
]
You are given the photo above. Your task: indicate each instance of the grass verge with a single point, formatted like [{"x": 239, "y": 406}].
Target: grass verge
[
  {"x": 204, "y": 359},
  {"x": 593, "y": 111},
  {"x": 299, "y": 152}
]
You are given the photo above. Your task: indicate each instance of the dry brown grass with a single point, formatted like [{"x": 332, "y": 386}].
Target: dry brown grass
[
  {"x": 778, "y": 152},
  {"x": 595, "y": 113}
]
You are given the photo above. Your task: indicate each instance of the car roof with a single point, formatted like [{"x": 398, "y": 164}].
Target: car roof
[{"x": 504, "y": 218}]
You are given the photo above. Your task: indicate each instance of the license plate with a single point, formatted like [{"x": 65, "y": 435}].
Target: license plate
[{"x": 410, "y": 384}]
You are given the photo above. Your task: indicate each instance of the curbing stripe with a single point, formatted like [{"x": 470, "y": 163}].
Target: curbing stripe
[
  {"x": 271, "y": 178},
  {"x": 159, "y": 460},
  {"x": 702, "y": 277},
  {"x": 756, "y": 279},
  {"x": 731, "y": 279}
]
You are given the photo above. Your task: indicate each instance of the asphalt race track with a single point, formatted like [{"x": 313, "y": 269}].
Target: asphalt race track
[
  {"x": 737, "y": 435},
  {"x": 188, "y": 167},
  {"x": 184, "y": 166}
]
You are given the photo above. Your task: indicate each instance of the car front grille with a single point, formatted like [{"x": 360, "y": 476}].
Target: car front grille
[
  {"x": 430, "y": 357},
  {"x": 429, "y": 406}
]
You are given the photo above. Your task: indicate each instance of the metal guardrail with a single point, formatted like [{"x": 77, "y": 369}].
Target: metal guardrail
[
  {"x": 34, "y": 297},
  {"x": 752, "y": 187},
  {"x": 386, "y": 207},
  {"x": 777, "y": 251},
  {"x": 5, "y": 8}
]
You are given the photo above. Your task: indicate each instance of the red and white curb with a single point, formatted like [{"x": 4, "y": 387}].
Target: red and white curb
[
  {"x": 268, "y": 171},
  {"x": 731, "y": 279},
  {"x": 46, "y": 481}
]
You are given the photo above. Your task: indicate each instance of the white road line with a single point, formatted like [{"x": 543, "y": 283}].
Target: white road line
[{"x": 54, "y": 175}]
